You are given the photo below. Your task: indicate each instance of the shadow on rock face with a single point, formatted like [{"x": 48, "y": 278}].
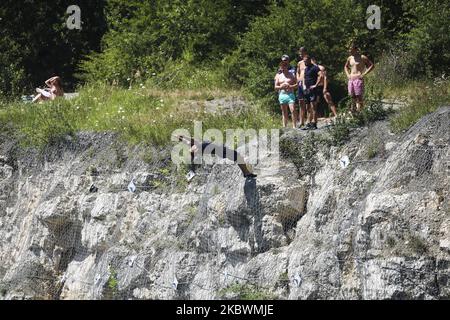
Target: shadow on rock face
[{"x": 254, "y": 206}]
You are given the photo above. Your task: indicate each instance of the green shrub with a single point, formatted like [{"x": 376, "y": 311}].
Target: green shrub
[
  {"x": 112, "y": 281},
  {"x": 246, "y": 292},
  {"x": 156, "y": 37},
  {"x": 112, "y": 286},
  {"x": 340, "y": 131},
  {"x": 301, "y": 153},
  {"x": 373, "y": 148},
  {"x": 372, "y": 111}
]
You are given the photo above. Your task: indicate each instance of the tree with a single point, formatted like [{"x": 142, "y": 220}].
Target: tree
[
  {"x": 36, "y": 42},
  {"x": 324, "y": 27},
  {"x": 147, "y": 35}
]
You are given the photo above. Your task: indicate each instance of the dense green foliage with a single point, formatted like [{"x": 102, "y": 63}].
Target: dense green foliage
[
  {"x": 166, "y": 42},
  {"x": 428, "y": 42},
  {"x": 36, "y": 44},
  {"x": 146, "y": 37},
  {"x": 415, "y": 32}
]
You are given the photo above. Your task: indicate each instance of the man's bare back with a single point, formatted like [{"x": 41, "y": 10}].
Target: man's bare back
[{"x": 322, "y": 75}]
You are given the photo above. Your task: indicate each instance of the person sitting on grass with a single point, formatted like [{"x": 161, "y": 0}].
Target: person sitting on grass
[
  {"x": 53, "y": 90},
  {"x": 215, "y": 149}
]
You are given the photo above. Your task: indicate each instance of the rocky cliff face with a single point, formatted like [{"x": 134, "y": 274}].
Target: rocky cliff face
[{"x": 377, "y": 228}]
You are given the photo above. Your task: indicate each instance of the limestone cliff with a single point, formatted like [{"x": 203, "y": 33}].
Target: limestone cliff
[{"x": 378, "y": 228}]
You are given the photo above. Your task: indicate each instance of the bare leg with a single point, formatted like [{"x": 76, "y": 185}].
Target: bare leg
[
  {"x": 314, "y": 112},
  {"x": 310, "y": 112},
  {"x": 37, "y": 98},
  {"x": 284, "y": 110},
  {"x": 244, "y": 169},
  {"x": 330, "y": 103},
  {"x": 302, "y": 111},
  {"x": 359, "y": 103},
  {"x": 352, "y": 106},
  {"x": 293, "y": 114}
]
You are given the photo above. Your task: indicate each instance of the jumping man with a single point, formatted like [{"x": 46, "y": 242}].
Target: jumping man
[{"x": 218, "y": 150}]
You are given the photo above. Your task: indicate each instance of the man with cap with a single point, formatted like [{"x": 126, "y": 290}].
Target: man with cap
[{"x": 285, "y": 84}]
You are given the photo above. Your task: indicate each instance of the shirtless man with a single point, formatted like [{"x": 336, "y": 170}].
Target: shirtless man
[
  {"x": 322, "y": 88},
  {"x": 310, "y": 81},
  {"x": 301, "y": 96},
  {"x": 356, "y": 68}
]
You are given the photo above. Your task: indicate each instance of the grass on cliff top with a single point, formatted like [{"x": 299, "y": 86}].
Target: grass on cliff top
[
  {"x": 423, "y": 98},
  {"x": 149, "y": 112},
  {"x": 138, "y": 114}
]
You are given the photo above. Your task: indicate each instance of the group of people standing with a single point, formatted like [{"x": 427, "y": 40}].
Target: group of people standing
[{"x": 309, "y": 79}]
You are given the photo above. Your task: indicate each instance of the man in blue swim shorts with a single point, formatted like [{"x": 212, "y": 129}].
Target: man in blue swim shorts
[{"x": 310, "y": 81}]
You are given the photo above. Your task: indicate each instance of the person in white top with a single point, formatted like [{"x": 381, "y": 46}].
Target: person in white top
[{"x": 53, "y": 90}]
